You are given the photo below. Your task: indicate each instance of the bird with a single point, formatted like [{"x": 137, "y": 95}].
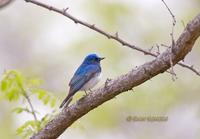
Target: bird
[{"x": 85, "y": 78}]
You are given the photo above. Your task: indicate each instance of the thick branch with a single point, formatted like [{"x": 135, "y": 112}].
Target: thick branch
[
  {"x": 108, "y": 35},
  {"x": 123, "y": 83}
]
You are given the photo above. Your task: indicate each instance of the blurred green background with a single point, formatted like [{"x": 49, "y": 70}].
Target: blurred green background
[{"x": 45, "y": 45}]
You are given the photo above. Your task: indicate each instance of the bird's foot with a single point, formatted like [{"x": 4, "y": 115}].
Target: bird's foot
[
  {"x": 85, "y": 93},
  {"x": 90, "y": 90}
]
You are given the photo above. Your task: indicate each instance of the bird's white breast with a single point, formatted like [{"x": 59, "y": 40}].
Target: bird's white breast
[{"x": 92, "y": 82}]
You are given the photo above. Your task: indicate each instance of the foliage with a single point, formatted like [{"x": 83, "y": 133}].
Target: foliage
[{"x": 16, "y": 87}]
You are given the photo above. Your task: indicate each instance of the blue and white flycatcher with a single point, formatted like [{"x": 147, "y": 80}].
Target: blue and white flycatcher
[{"x": 86, "y": 77}]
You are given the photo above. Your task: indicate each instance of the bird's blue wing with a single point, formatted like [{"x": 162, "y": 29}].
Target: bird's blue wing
[
  {"x": 77, "y": 75},
  {"x": 83, "y": 74}
]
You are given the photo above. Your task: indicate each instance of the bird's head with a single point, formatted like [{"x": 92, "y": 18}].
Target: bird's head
[{"x": 92, "y": 59}]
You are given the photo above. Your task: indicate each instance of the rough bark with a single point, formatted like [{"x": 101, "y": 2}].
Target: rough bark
[{"x": 123, "y": 83}]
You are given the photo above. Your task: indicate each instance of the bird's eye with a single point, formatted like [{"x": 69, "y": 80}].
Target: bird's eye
[{"x": 96, "y": 59}]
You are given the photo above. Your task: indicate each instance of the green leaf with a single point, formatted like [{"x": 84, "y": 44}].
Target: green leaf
[
  {"x": 3, "y": 85},
  {"x": 47, "y": 118},
  {"x": 28, "y": 124},
  {"x": 31, "y": 124},
  {"x": 19, "y": 78},
  {"x": 13, "y": 94},
  {"x": 34, "y": 82},
  {"x": 21, "y": 109},
  {"x": 40, "y": 92},
  {"x": 53, "y": 102},
  {"x": 11, "y": 85},
  {"x": 27, "y": 133},
  {"x": 46, "y": 100},
  {"x": 18, "y": 110}
]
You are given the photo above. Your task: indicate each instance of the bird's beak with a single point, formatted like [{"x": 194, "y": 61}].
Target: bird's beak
[{"x": 101, "y": 58}]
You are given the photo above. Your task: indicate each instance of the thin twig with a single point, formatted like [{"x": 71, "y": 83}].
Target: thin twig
[
  {"x": 191, "y": 67},
  {"x": 158, "y": 49},
  {"x": 95, "y": 28},
  {"x": 172, "y": 38},
  {"x": 164, "y": 45},
  {"x": 31, "y": 106},
  {"x": 173, "y": 16},
  {"x": 30, "y": 103}
]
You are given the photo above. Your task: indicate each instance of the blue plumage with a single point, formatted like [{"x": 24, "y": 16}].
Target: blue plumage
[{"x": 85, "y": 77}]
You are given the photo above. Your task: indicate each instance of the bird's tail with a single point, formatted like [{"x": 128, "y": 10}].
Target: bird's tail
[{"x": 66, "y": 101}]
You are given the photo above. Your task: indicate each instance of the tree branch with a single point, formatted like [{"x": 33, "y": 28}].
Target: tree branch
[
  {"x": 108, "y": 35},
  {"x": 4, "y": 3},
  {"x": 123, "y": 83}
]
